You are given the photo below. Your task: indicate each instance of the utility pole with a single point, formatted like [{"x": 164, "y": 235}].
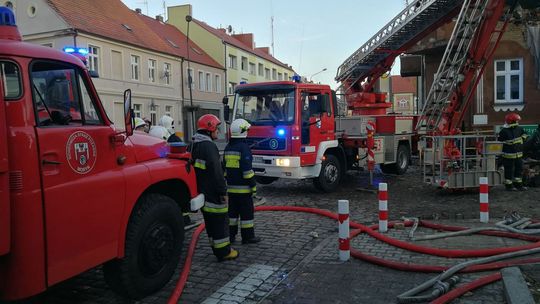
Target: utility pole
[
  {"x": 190, "y": 78},
  {"x": 272, "y": 26}
]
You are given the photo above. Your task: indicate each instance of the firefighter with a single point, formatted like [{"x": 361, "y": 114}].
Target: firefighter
[
  {"x": 165, "y": 130},
  {"x": 512, "y": 136},
  {"x": 211, "y": 183},
  {"x": 241, "y": 185},
  {"x": 140, "y": 124}
]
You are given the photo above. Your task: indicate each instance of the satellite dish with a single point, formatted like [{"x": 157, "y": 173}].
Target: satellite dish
[{"x": 229, "y": 29}]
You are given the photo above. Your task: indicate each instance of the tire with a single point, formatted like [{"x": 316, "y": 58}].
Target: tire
[
  {"x": 265, "y": 180},
  {"x": 154, "y": 240},
  {"x": 403, "y": 159},
  {"x": 330, "y": 174}
]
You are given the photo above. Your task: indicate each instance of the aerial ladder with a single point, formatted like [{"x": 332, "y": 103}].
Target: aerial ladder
[{"x": 450, "y": 159}]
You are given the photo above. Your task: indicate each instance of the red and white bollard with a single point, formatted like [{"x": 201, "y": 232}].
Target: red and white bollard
[
  {"x": 383, "y": 207},
  {"x": 484, "y": 200},
  {"x": 344, "y": 235}
]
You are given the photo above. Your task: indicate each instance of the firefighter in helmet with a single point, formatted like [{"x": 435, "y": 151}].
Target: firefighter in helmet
[
  {"x": 211, "y": 183},
  {"x": 512, "y": 136},
  {"x": 241, "y": 185}
]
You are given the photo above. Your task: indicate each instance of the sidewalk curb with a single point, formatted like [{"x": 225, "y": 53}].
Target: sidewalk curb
[{"x": 515, "y": 288}]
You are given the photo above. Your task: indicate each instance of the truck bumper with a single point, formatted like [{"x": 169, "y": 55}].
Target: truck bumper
[
  {"x": 197, "y": 202},
  {"x": 289, "y": 168}
]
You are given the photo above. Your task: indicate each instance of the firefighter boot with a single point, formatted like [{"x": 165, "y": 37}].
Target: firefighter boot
[
  {"x": 510, "y": 187},
  {"x": 233, "y": 254},
  {"x": 252, "y": 240}
]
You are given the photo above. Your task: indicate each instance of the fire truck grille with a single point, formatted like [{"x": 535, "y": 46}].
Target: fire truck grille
[{"x": 264, "y": 143}]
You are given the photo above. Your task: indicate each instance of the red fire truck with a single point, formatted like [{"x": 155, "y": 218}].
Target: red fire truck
[
  {"x": 297, "y": 133},
  {"x": 76, "y": 192}
]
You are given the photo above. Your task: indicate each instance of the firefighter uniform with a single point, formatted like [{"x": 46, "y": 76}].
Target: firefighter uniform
[
  {"x": 211, "y": 183},
  {"x": 241, "y": 186},
  {"x": 512, "y": 136}
]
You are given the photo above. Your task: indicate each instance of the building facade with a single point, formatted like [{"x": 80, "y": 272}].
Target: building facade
[
  {"x": 129, "y": 51},
  {"x": 244, "y": 61}
]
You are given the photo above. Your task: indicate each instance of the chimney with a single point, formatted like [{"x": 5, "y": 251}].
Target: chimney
[
  {"x": 138, "y": 11},
  {"x": 246, "y": 39},
  {"x": 159, "y": 18},
  {"x": 264, "y": 49}
]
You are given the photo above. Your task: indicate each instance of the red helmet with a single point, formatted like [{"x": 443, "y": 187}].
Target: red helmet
[
  {"x": 208, "y": 122},
  {"x": 511, "y": 118}
]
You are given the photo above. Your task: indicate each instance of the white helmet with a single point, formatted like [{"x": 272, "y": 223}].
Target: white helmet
[
  {"x": 168, "y": 123},
  {"x": 139, "y": 122},
  {"x": 239, "y": 128}
]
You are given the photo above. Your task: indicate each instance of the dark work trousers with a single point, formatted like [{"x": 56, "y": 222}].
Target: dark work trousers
[
  {"x": 241, "y": 205},
  {"x": 217, "y": 230},
  {"x": 513, "y": 168}
]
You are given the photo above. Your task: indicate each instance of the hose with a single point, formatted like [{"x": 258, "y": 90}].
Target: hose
[
  {"x": 455, "y": 233},
  {"x": 454, "y": 294},
  {"x": 523, "y": 237},
  {"x": 515, "y": 230}
]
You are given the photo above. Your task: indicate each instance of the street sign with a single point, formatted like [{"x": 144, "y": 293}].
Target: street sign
[{"x": 529, "y": 129}]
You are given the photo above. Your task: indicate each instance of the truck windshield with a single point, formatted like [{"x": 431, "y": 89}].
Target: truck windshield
[{"x": 265, "y": 107}]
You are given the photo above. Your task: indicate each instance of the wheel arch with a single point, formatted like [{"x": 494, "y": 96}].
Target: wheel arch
[{"x": 339, "y": 153}]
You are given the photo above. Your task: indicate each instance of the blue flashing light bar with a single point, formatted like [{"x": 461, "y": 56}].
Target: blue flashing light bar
[
  {"x": 281, "y": 132},
  {"x": 7, "y": 17},
  {"x": 243, "y": 82},
  {"x": 75, "y": 50},
  {"x": 296, "y": 78}
]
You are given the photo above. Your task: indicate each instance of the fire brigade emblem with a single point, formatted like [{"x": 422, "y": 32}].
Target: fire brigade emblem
[
  {"x": 273, "y": 144},
  {"x": 81, "y": 152}
]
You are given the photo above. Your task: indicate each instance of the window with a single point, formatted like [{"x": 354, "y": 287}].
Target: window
[
  {"x": 509, "y": 81},
  {"x": 61, "y": 95},
  {"x": 279, "y": 76},
  {"x": 266, "y": 107},
  {"x": 261, "y": 69},
  {"x": 168, "y": 111},
  {"x": 208, "y": 82},
  {"x": 244, "y": 64},
  {"x": 190, "y": 78},
  {"x": 93, "y": 58},
  {"x": 252, "y": 68},
  {"x": 48, "y": 44},
  {"x": 117, "y": 67},
  {"x": 286, "y": 76},
  {"x": 153, "y": 115},
  {"x": 267, "y": 74},
  {"x": 217, "y": 83},
  {"x": 231, "y": 87},
  {"x": 274, "y": 74},
  {"x": 11, "y": 78},
  {"x": 167, "y": 73},
  {"x": 137, "y": 110},
  {"x": 135, "y": 67},
  {"x": 233, "y": 64},
  {"x": 151, "y": 70},
  {"x": 201, "y": 81}
]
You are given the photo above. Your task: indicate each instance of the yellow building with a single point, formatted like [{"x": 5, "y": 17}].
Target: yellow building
[{"x": 244, "y": 61}]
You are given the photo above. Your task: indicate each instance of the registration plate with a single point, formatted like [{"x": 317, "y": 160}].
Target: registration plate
[{"x": 258, "y": 159}]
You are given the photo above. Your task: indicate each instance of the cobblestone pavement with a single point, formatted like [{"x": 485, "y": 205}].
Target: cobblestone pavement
[{"x": 297, "y": 261}]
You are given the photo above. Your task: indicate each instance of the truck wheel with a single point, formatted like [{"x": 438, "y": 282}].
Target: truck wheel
[
  {"x": 265, "y": 180},
  {"x": 402, "y": 161},
  {"x": 154, "y": 239},
  {"x": 330, "y": 174}
]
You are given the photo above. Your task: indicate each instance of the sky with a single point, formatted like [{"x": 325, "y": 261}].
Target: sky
[{"x": 310, "y": 35}]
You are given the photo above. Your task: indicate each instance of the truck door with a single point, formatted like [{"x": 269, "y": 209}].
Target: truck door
[
  {"x": 5, "y": 223},
  {"x": 83, "y": 185},
  {"x": 317, "y": 123}
]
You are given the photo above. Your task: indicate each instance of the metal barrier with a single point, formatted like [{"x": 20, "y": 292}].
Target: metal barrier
[{"x": 458, "y": 161}]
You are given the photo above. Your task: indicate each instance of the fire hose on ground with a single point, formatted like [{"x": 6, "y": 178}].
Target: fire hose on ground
[{"x": 488, "y": 262}]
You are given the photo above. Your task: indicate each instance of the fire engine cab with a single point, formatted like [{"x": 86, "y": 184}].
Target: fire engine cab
[
  {"x": 75, "y": 191},
  {"x": 298, "y": 132}
]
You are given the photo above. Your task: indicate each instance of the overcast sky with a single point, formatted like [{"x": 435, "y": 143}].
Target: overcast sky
[{"x": 310, "y": 35}]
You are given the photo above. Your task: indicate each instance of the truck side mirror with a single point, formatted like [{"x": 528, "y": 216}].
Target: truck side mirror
[
  {"x": 128, "y": 113},
  {"x": 226, "y": 109}
]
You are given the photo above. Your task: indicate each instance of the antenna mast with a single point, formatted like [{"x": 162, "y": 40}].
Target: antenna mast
[{"x": 272, "y": 26}]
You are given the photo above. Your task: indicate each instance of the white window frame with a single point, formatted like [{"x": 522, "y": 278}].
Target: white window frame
[
  {"x": 167, "y": 70},
  {"x": 154, "y": 115},
  {"x": 274, "y": 74},
  {"x": 94, "y": 64},
  {"x": 252, "y": 68},
  {"x": 244, "y": 64},
  {"x": 507, "y": 73},
  {"x": 260, "y": 68},
  {"x": 168, "y": 110},
  {"x": 137, "y": 110},
  {"x": 217, "y": 85},
  {"x": 208, "y": 82},
  {"x": 135, "y": 67},
  {"x": 152, "y": 70},
  {"x": 267, "y": 73},
  {"x": 200, "y": 78},
  {"x": 279, "y": 76},
  {"x": 233, "y": 62},
  {"x": 230, "y": 87},
  {"x": 286, "y": 76}
]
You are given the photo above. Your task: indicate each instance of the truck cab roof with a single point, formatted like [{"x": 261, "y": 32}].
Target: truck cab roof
[
  {"x": 24, "y": 49},
  {"x": 281, "y": 83}
]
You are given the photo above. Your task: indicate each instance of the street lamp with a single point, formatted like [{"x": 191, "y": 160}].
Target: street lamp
[
  {"x": 190, "y": 78},
  {"x": 310, "y": 77}
]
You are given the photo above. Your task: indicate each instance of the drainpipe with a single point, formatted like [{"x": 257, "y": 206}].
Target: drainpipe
[{"x": 74, "y": 37}]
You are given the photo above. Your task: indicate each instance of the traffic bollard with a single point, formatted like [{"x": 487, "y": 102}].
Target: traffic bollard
[
  {"x": 383, "y": 207},
  {"x": 344, "y": 236},
  {"x": 484, "y": 200}
]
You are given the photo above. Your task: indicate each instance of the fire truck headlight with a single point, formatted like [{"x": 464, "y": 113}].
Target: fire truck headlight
[{"x": 283, "y": 162}]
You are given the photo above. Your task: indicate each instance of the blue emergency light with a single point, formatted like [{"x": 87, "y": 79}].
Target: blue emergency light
[
  {"x": 75, "y": 50},
  {"x": 7, "y": 17},
  {"x": 243, "y": 82},
  {"x": 296, "y": 78},
  {"x": 281, "y": 132}
]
